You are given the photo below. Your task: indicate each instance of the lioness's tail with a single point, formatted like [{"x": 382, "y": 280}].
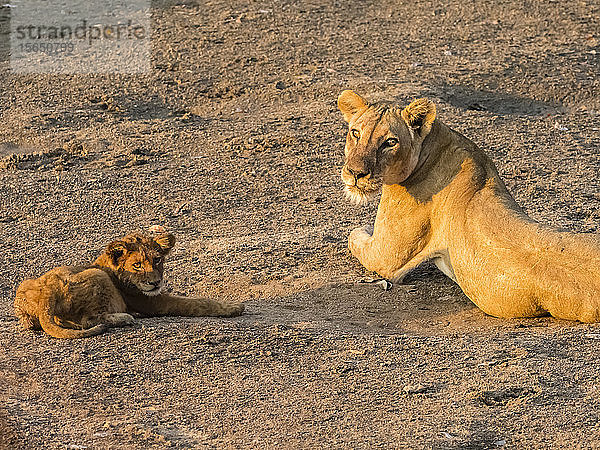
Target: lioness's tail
[{"x": 50, "y": 326}]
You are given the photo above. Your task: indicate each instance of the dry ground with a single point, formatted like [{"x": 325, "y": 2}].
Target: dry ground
[{"x": 233, "y": 142}]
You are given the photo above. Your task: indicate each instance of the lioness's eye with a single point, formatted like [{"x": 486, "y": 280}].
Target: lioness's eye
[
  {"x": 355, "y": 134},
  {"x": 391, "y": 142},
  {"x": 137, "y": 265}
]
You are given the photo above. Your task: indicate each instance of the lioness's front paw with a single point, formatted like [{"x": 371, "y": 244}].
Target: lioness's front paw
[{"x": 358, "y": 237}]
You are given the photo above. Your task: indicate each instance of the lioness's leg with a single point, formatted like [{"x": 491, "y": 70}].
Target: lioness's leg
[
  {"x": 378, "y": 256},
  {"x": 173, "y": 305}
]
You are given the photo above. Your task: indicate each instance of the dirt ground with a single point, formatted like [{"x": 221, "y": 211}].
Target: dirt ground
[{"x": 233, "y": 142}]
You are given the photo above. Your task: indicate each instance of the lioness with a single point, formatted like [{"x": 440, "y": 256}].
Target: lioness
[
  {"x": 75, "y": 302},
  {"x": 442, "y": 200}
]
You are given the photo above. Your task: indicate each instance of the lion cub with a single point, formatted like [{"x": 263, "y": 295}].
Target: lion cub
[{"x": 74, "y": 302}]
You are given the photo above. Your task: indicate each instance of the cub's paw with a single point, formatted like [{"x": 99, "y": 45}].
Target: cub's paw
[
  {"x": 232, "y": 309},
  {"x": 127, "y": 319},
  {"x": 119, "y": 319},
  {"x": 28, "y": 322}
]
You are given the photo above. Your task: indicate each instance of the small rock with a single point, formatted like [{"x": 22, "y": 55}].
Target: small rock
[
  {"x": 345, "y": 368},
  {"x": 156, "y": 229},
  {"x": 384, "y": 284},
  {"x": 504, "y": 396},
  {"x": 415, "y": 389},
  {"x": 559, "y": 127},
  {"x": 476, "y": 107},
  {"x": 409, "y": 288},
  {"x": 7, "y": 219}
]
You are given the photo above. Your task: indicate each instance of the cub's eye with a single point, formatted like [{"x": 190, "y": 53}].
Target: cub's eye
[
  {"x": 137, "y": 265},
  {"x": 391, "y": 142},
  {"x": 157, "y": 261},
  {"x": 355, "y": 134}
]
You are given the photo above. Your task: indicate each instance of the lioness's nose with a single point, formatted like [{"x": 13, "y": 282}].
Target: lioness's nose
[{"x": 358, "y": 174}]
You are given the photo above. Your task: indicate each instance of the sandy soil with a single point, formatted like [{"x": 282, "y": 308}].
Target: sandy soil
[{"x": 233, "y": 142}]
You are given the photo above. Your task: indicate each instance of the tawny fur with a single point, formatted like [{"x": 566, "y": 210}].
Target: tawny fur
[
  {"x": 442, "y": 200},
  {"x": 127, "y": 278}
]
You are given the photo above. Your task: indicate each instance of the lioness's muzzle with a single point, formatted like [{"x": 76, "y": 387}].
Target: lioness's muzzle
[
  {"x": 354, "y": 177},
  {"x": 359, "y": 174}
]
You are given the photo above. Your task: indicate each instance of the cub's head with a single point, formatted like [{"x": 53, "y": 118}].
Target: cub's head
[
  {"x": 383, "y": 142},
  {"x": 137, "y": 260}
]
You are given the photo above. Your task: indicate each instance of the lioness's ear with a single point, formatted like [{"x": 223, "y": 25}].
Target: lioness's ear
[
  {"x": 349, "y": 103},
  {"x": 166, "y": 241},
  {"x": 419, "y": 115},
  {"x": 115, "y": 250}
]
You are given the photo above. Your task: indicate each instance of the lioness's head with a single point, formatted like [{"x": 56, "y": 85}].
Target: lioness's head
[
  {"x": 383, "y": 142},
  {"x": 137, "y": 260}
]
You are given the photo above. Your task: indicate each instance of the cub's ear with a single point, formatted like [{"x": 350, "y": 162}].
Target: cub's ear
[
  {"x": 349, "y": 103},
  {"x": 116, "y": 250},
  {"x": 166, "y": 241},
  {"x": 419, "y": 116}
]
